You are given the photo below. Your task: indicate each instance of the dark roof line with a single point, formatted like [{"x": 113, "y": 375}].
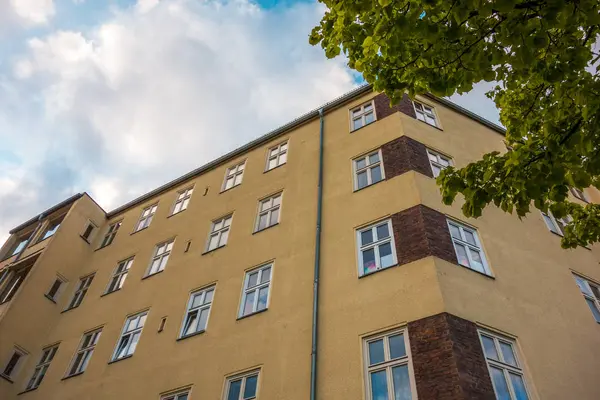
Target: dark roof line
[
  {"x": 468, "y": 113},
  {"x": 47, "y": 212}
]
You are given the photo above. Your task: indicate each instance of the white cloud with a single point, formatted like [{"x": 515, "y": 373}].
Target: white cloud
[
  {"x": 34, "y": 11},
  {"x": 143, "y": 6},
  {"x": 146, "y": 97}
]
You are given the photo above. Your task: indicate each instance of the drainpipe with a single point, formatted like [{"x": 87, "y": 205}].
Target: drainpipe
[
  {"x": 35, "y": 231},
  {"x": 315, "y": 315}
]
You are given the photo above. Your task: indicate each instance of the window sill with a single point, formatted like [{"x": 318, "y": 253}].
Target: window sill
[
  {"x": 151, "y": 275},
  {"x": 84, "y": 239},
  {"x": 102, "y": 247},
  {"x": 191, "y": 335},
  {"x": 50, "y": 298},
  {"x": 27, "y": 391},
  {"x": 251, "y": 314},
  {"x": 433, "y": 126},
  {"x": 364, "y": 126},
  {"x": 477, "y": 272},
  {"x": 69, "y": 309},
  {"x": 139, "y": 230},
  {"x": 38, "y": 242},
  {"x": 116, "y": 290},
  {"x": 264, "y": 229},
  {"x": 172, "y": 215},
  {"x": 72, "y": 376},
  {"x": 233, "y": 187},
  {"x": 120, "y": 359},
  {"x": 215, "y": 249},
  {"x": 6, "y": 378},
  {"x": 279, "y": 166},
  {"x": 368, "y": 186},
  {"x": 376, "y": 271}
]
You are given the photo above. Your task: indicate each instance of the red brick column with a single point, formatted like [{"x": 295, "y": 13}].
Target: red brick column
[
  {"x": 383, "y": 109},
  {"x": 405, "y": 154},
  {"x": 448, "y": 360}
]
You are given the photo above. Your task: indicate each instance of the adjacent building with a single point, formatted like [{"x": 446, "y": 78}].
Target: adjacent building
[{"x": 204, "y": 288}]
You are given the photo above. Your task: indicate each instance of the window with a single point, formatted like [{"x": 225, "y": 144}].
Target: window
[
  {"x": 376, "y": 249},
  {"x": 234, "y": 176},
  {"x": 256, "y": 290},
  {"x": 118, "y": 278},
  {"x": 580, "y": 194},
  {"x": 388, "y": 367},
  {"x": 219, "y": 232},
  {"x": 556, "y": 225},
  {"x": 268, "y": 212},
  {"x": 50, "y": 229},
  {"x": 4, "y": 275},
  {"x": 11, "y": 367},
  {"x": 20, "y": 245},
  {"x": 110, "y": 234},
  {"x": 277, "y": 156},
  {"x": 82, "y": 287},
  {"x": 146, "y": 217},
  {"x": 130, "y": 336},
  {"x": 242, "y": 387},
  {"x": 198, "y": 310},
  {"x": 368, "y": 170},
  {"x": 87, "y": 233},
  {"x": 13, "y": 284},
  {"x": 468, "y": 247},
  {"x": 503, "y": 365},
  {"x": 84, "y": 352},
  {"x": 425, "y": 113},
  {"x": 591, "y": 293},
  {"x": 362, "y": 115},
  {"x": 438, "y": 162},
  {"x": 182, "y": 201},
  {"x": 41, "y": 367},
  {"x": 184, "y": 395},
  {"x": 162, "y": 252},
  {"x": 55, "y": 289}
]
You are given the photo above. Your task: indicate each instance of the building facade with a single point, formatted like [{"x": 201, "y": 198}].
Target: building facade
[{"x": 204, "y": 288}]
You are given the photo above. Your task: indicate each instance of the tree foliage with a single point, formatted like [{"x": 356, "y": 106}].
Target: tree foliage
[{"x": 540, "y": 53}]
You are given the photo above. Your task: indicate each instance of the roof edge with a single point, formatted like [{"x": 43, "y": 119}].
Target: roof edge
[
  {"x": 470, "y": 114},
  {"x": 46, "y": 212}
]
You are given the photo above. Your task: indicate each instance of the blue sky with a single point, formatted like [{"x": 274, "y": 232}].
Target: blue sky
[{"x": 115, "y": 97}]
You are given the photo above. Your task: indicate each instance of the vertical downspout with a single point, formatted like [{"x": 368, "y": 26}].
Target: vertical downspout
[
  {"x": 35, "y": 231},
  {"x": 315, "y": 315}
]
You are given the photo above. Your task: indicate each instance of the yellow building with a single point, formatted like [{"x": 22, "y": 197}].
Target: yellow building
[{"x": 205, "y": 287}]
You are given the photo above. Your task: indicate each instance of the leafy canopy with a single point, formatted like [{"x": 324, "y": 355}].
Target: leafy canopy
[{"x": 537, "y": 51}]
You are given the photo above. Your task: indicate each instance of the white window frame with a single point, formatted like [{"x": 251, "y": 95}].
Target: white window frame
[
  {"x": 218, "y": 228},
  {"x": 83, "y": 284},
  {"x": 502, "y": 364},
  {"x": 243, "y": 377},
  {"x": 14, "y": 282},
  {"x": 161, "y": 254},
  {"x": 362, "y": 113},
  {"x": 16, "y": 368},
  {"x": 437, "y": 163},
  {"x": 42, "y": 366},
  {"x": 255, "y": 289},
  {"x": 146, "y": 217},
  {"x": 182, "y": 200},
  {"x": 468, "y": 246},
  {"x": 177, "y": 395},
  {"x": 110, "y": 234},
  {"x": 119, "y": 275},
  {"x": 375, "y": 245},
  {"x": 555, "y": 225},
  {"x": 196, "y": 311},
  {"x": 59, "y": 290},
  {"x": 235, "y": 174},
  {"x": 50, "y": 229},
  {"x": 90, "y": 235},
  {"x": 368, "y": 168},
  {"x": 130, "y": 333},
  {"x": 282, "y": 150},
  {"x": 20, "y": 245},
  {"x": 580, "y": 194},
  {"x": 271, "y": 208},
  {"x": 84, "y": 352},
  {"x": 426, "y": 111},
  {"x": 585, "y": 286},
  {"x": 388, "y": 364}
]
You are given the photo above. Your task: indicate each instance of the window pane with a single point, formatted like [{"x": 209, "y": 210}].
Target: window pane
[
  {"x": 397, "y": 346},
  {"x": 436, "y": 172},
  {"x": 375, "y": 174},
  {"x": 362, "y": 180},
  {"x": 430, "y": 120},
  {"x": 197, "y": 300},
  {"x": 223, "y": 238},
  {"x": 248, "y": 305},
  {"x": 282, "y": 158},
  {"x": 263, "y": 294},
  {"x": 454, "y": 231},
  {"x": 369, "y": 264},
  {"x": 366, "y": 237},
  {"x": 461, "y": 254},
  {"x": 190, "y": 326},
  {"x": 401, "y": 383},
  {"x": 262, "y": 221},
  {"x": 444, "y": 161},
  {"x": 376, "y": 354},
  {"x": 360, "y": 163},
  {"x": 549, "y": 223},
  {"x": 383, "y": 231},
  {"x": 369, "y": 118},
  {"x": 478, "y": 263},
  {"x": 379, "y": 386},
  {"x": 469, "y": 237},
  {"x": 238, "y": 179},
  {"x": 518, "y": 386},
  {"x": 373, "y": 158},
  {"x": 209, "y": 296},
  {"x": 212, "y": 244},
  {"x": 500, "y": 385},
  {"x": 234, "y": 390},
  {"x": 507, "y": 354},
  {"x": 134, "y": 343},
  {"x": 368, "y": 107},
  {"x": 274, "y": 217},
  {"x": 420, "y": 116},
  {"x": 272, "y": 163},
  {"x": 582, "y": 283},
  {"x": 203, "y": 319},
  {"x": 489, "y": 348},
  {"x": 594, "y": 309},
  {"x": 596, "y": 291},
  {"x": 252, "y": 279},
  {"x": 357, "y": 123},
  {"x": 386, "y": 258},
  {"x": 163, "y": 263},
  {"x": 250, "y": 389},
  {"x": 266, "y": 275}
]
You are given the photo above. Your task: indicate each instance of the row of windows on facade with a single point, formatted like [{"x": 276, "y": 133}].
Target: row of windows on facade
[
  {"x": 365, "y": 114},
  {"x": 387, "y": 360}
]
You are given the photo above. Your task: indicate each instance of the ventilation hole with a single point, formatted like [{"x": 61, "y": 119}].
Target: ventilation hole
[
  {"x": 163, "y": 322},
  {"x": 187, "y": 246},
  {"x": 206, "y": 190}
]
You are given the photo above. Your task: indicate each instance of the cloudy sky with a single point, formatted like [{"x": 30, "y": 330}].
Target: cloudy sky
[{"x": 115, "y": 97}]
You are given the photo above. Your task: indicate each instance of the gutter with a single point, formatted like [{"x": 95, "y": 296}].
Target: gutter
[
  {"x": 47, "y": 212},
  {"x": 315, "y": 314}
]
